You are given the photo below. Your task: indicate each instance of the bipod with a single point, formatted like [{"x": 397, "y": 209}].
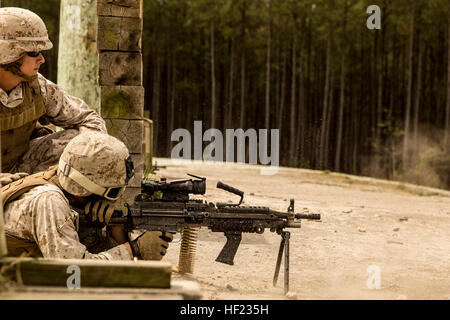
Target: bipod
[{"x": 284, "y": 246}]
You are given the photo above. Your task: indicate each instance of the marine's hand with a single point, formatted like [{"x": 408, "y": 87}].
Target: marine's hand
[
  {"x": 151, "y": 245},
  {"x": 102, "y": 210},
  {"x": 7, "y": 178}
]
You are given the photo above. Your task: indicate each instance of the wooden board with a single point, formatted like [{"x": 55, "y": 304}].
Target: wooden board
[
  {"x": 138, "y": 162},
  {"x": 93, "y": 273},
  {"x": 122, "y": 102},
  {"x": 119, "y": 8},
  {"x": 187, "y": 290},
  {"x": 120, "y": 68},
  {"x": 119, "y": 34},
  {"x": 130, "y": 132}
]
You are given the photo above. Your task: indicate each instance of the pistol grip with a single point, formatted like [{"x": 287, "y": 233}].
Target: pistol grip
[{"x": 230, "y": 248}]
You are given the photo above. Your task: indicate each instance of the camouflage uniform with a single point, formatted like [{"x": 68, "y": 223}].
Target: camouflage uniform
[
  {"x": 23, "y": 31},
  {"x": 62, "y": 110},
  {"x": 43, "y": 216},
  {"x": 38, "y": 214}
]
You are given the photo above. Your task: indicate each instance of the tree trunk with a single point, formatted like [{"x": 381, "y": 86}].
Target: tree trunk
[
  {"x": 380, "y": 72},
  {"x": 417, "y": 101},
  {"x": 213, "y": 74},
  {"x": 278, "y": 80},
  {"x": 328, "y": 122},
  {"x": 269, "y": 39},
  {"x": 325, "y": 102},
  {"x": 301, "y": 121},
  {"x": 243, "y": 92},
  {"x": 337, "y": 159},
  {"x": 155, "y": 102},
  {"x": 447, "y": 107},
  {"x": 308, "y": 129},
  {"x": 229, "y": 115},
  {"x": 409, "y": 89},
  {"x": 172, "y": 92},
  {"x": 293, "y": 94},
  {"x": 283, "y": 91}
]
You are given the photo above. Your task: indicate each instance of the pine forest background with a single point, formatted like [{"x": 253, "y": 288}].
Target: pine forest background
[{"x": 345, "y": 98}]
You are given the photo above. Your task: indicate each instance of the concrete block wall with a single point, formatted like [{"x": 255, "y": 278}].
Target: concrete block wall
[{"x": 105, "y": 46}]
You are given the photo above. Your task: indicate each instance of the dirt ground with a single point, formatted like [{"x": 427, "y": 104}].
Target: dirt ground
[{"x": 369, "y": 227}]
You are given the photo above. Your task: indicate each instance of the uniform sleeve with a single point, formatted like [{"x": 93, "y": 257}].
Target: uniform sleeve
[
  {"x": 56, "y": 235},
  {"x": 67, "y": 111}
]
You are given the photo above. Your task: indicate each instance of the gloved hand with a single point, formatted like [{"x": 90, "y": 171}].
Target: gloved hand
[
  {"x": 151, "y": 245},
  {"x": 7, "y": 178},
  {"x": 102, "y": 210},
  {"x": 41, "y": 131}
]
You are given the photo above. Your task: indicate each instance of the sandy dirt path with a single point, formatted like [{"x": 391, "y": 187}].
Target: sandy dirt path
[{"x": 401, "y": 230}]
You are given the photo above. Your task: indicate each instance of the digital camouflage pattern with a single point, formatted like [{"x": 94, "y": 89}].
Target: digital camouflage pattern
[
  {"x": 99, "y": 157},
  {"x": 62, "y": 110},
  {"x": 21, "y": 31},
  {"x": 43, "y": 215},
  {"x": 44, "y": 152}
]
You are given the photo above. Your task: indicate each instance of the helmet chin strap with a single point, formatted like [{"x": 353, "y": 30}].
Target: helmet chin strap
[
  {"x": 14, "y": 68},
  {"x": 79, "y": 178}
]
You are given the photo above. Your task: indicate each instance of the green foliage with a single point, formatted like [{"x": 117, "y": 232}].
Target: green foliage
[{"x": 177, "y": 70}]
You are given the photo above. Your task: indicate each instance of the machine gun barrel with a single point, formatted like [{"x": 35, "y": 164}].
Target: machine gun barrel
[{"x": 310, "y": 216}]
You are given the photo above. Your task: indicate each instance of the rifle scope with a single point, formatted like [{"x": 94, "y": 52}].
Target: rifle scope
[{"x": 178, "y": 186}]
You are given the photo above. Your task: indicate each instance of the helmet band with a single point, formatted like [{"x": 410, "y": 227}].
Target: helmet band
[
  {"x": 110, "y": 193},
  {"x": 24, "y": 38}
]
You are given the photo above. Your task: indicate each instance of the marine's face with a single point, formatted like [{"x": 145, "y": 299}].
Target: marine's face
[{"x": 30, "y": 65}]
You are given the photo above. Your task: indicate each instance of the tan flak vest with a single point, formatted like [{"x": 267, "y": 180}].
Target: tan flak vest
[
  {"x": 17, "y": 124},
  {"x": 17, "y": 246}
]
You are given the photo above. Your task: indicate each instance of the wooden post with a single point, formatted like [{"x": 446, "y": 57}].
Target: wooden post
[
  {"x": 119, "y": 44},
  {"x": 78, "y": 56},
  {"x": 100, "y": 61}
]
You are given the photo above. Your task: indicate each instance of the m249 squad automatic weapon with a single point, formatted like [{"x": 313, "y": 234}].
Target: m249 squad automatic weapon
[{"x": 166, "y": 206}]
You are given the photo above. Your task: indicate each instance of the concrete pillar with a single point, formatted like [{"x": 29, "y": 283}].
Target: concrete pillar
[{"x": 100, "y": 61}]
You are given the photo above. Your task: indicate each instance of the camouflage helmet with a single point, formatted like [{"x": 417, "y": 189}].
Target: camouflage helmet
[
  {"x": 95, "y": 163},
  {"x": 21, "y": 31}
]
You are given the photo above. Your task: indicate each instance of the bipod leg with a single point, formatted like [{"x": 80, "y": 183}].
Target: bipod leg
[
  {"x": 280, "y": 255},
  {"x": 287, "y": 236}
]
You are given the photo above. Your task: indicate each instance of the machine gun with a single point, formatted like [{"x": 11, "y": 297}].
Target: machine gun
[{"x": 166, "y": 206}]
